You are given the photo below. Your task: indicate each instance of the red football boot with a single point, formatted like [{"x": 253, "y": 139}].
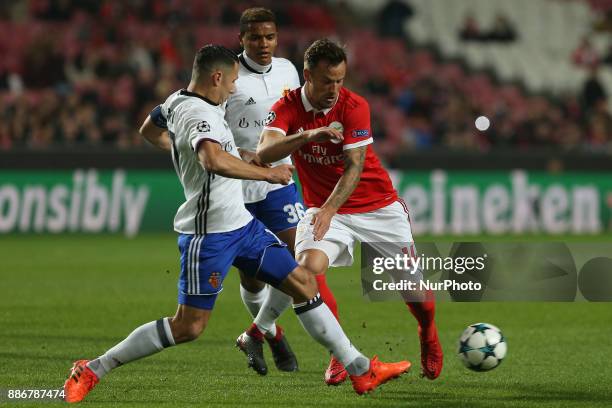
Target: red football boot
[
  {"x": 431, "y": 353},
  {"x": 379, "y": 373},
  {"x": 335, "y": 373},
  {"x": 81, "y": 381}
]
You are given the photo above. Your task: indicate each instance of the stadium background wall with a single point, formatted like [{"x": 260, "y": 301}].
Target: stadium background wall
[{"x": 137, "y": 192}]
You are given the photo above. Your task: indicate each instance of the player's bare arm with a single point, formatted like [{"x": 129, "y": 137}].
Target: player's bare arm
[
  {"x": 273, "y": 145},
  {"x": 214, "y": 159},
  {"x": 155, "y": 135},
  {"x": 353, "y": 166},
  {"x": 251, "y": 158}
]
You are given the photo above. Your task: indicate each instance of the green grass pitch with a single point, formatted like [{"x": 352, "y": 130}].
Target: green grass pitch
[{"x": 69, "y": 297}]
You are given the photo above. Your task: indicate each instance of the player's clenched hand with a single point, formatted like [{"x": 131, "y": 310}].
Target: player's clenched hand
[
  {"x": 323, "y": 134},
  {"x": 252, "y": 158},
  {"x": 280, "y": 174},
  {"x": 321, "y": 221}
]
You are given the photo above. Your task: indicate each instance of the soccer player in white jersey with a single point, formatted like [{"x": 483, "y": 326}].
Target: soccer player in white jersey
[
  {"x": 262, "y": 80},
  {"x": 216, "y": 231}
]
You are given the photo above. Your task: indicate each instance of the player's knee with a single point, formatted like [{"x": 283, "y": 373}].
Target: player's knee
[
  {"x": 251, "y": 284},
  {"x": 189, "y": 332},
  {"x": 301, "y": 284},
  {"x": 314, "y": 261},
  {"x": 185, "y": 330}
]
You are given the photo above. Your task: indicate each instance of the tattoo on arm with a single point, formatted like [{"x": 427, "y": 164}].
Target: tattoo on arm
[{"x": 353, "y": 166}]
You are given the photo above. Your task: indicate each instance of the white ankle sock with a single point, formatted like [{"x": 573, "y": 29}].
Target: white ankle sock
[
  {"x": 253, "y": 301},
  {"x": 150, "y": 338},
  {"x": 276, "y": 302},
  {"x": 322, "y": 326}
]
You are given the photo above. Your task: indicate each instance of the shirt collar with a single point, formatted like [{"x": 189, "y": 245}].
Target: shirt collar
[
  {"x": 253, "y": 66},
  {"x": 308, "y": 106},
  {"x": 185, "y": 92}
]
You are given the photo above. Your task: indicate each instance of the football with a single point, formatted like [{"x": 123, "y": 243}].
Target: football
[{"x": 482, "y": 347}]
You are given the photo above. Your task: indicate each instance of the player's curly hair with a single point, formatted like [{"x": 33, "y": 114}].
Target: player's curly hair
[
  {"x": 255, "y": 15},
  {"x": 324, "y": 50},
  {"x": 211, "y": 57}
]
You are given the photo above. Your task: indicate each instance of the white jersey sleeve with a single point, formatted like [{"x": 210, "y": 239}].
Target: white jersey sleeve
[{"x": 210, "y": 129}]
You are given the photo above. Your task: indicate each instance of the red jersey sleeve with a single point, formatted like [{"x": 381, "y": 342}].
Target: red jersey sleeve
[
  {"x": 280, "y": 117},
  {"x": 357, "y": 131}
]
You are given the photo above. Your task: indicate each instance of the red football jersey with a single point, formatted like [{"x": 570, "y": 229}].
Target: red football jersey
[{"x": 320, "y": 165}]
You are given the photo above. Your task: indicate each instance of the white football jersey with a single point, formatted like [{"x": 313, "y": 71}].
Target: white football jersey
[
  {"x": 257, "y": 89},
  {"x": 213, "y": 203}
]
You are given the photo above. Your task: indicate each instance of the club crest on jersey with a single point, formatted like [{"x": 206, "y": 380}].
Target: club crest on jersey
[
  {"x": 286, "y": 91},
  {"x": 203, "y": 126},
  {"x": 215, "y": 279},
  {"x": 361, "y": 133},
  {"x": 270, "y": 118}
]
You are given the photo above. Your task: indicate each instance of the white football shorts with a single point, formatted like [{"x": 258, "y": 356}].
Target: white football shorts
[{"x": 389, "y": 225}]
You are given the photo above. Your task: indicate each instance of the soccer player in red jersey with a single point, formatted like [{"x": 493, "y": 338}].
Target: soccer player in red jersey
[{"x": 326, "y": 129}]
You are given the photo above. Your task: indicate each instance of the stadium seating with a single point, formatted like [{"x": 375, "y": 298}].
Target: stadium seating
[{"x": 152, "y": 54}]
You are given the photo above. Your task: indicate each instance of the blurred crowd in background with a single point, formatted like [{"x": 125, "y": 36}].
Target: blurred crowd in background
[{"x": 85, "y": 73}]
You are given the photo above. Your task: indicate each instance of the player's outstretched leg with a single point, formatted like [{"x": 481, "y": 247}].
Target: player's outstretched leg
[
  {"x": 432, "y": 357},
  {"x": 148, "y": 339},
  {"x": 320, "y": 323},
  {"x": 277, "y": 267},
  {"x": 318, "y": 262},
  {"x": 335, "y": 374}
]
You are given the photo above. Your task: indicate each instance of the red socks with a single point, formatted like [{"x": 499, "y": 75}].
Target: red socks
[
  {"x": 327, "y": 295},
  {"x": 425, "y": 311}
]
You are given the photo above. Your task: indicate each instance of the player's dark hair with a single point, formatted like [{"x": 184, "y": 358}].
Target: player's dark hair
[
  {"x": 255, "y": 15},
  {"x": 211, "y": 57},
  {"x": 324, "y": 50}
]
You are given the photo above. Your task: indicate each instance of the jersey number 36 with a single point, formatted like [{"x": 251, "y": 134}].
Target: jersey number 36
[{"x": 295, "y": 212}]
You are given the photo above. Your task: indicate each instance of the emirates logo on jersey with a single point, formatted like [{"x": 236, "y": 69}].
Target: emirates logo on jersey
[{"x": 319, "y": 156}]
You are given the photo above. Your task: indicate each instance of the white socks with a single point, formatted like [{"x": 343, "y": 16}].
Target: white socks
[
  {"x": 253, "y": 301},
  {"x": 320, "y": 323},
  {"x": 150, "y": 338},
  {"x": 266, "y": 306},
  {"x": 276, "y": 302}
]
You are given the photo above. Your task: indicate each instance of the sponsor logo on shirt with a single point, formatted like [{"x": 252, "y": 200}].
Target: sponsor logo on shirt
[
  {"x": 228, "y": 146},
  {"x": 251, "y": 101},
  {"x": 244, "y": 123},
  {"x": 324, "y": 160},
  {"x": 361, "y": 133}
]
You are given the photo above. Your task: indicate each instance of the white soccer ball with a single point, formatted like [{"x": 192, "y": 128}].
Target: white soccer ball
[{"x": 482, "y": 347}]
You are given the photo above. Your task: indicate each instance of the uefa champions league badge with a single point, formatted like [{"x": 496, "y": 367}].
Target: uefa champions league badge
[{"x": 339, "y": 127}]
